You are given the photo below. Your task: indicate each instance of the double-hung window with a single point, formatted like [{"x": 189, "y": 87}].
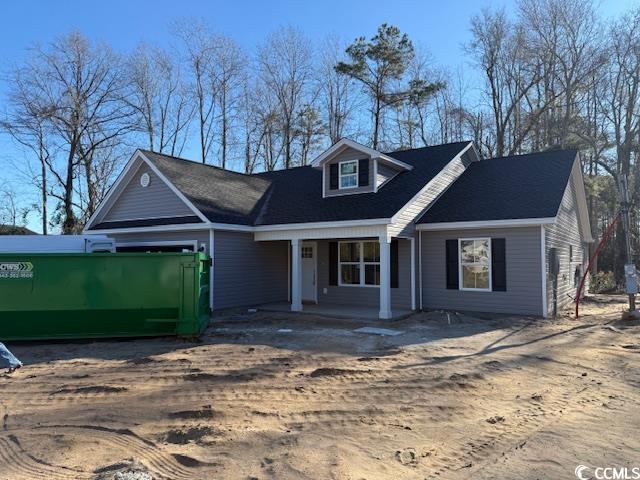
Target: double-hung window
[
  {"x": 475, "y": 264},
  {"x": 348, "y": 173},
  {"x": 359, "y": 263}
]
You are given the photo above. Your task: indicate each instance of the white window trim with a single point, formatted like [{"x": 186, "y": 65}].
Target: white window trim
[
  {"x": 460, "y": 279},
  {"x": 356, "y": 174},
  {"x": 361, "y": 263}
]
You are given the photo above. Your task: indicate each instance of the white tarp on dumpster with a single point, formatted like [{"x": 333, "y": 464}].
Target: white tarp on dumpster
[{"x": 56, "y": 244}]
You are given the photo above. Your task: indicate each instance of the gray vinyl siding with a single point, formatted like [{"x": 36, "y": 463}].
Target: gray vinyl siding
[
  {"x": 385, "y": 173},
  {"x": 201, "y": 236},
  {"x": 247, "y": 272},
  {"x": 348, "y": 154},
  {"x": 404, "y": 226},
  {"x": 523, "y": 268},
  {"x": 563, "y": 233},
  {"x": 365, "y": 296},
  {"x": 154, "y": 201}
]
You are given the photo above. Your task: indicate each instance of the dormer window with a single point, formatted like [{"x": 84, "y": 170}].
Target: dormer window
[
  {"x": 349, "y": 168},
  {"x": 348, "y": 174}
]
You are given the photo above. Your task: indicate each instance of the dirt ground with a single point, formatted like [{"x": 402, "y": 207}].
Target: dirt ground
[{"x": 267, "y": 395}]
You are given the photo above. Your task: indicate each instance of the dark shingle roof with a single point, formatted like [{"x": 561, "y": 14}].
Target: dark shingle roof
[
  {"x": 517, "y": 187},
  {"x": 147, "y": 222},
  {"x": 15, "y": 230},
  {"x": 295, "y": 195},
  {"x": 221, "y": 195}
]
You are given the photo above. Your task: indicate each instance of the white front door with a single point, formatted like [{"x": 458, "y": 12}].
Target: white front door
[{"x": 308, "y": 252}]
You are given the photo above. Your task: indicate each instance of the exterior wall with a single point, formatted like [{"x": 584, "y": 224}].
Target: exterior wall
[
  {"x": 563, "y": 233},
  {"x": 247, "y": 272},
  {"x": 348, "y": 154},
  {"x": 365, "y": 296},
  {"x": 201, "y": 236},
  {"x": 404, "y": 225},
  {"x": 385, "y": 173},
  {"x": 156, "y": 200},
  {"x": 523, "y": 268}
]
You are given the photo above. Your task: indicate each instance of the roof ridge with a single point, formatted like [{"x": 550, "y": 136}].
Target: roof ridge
[
  {"x": 427, "y": 146},
  {"x": 173, "y": 157},
  {"x": 529, "y": 154}
]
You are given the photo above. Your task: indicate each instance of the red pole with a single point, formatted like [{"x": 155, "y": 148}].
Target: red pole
[{"x": 604, "y": 238}]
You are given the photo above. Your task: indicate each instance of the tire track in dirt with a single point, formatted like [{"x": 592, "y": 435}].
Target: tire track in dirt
[{"x": 17, "y": 465}]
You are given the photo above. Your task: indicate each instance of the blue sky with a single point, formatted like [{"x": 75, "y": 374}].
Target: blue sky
[{"x": 441, "y": 27}]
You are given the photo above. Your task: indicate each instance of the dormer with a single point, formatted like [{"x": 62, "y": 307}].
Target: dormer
[{"x": 350, "y": 168}]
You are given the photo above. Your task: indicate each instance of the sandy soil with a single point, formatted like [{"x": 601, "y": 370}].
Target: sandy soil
[{"x": 452, "y": 397}]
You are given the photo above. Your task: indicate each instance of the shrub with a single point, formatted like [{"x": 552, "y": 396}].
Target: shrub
[{"x": 602, "y": 282}]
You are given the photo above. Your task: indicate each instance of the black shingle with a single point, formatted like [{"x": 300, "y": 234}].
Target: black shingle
[
  {"x": 516, "y": 187},
  {"x": 147, "y": 222},
  {"x": 295, "y": 195}
]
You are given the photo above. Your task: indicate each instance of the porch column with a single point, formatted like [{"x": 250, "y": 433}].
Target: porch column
[
  {"x": 385, "y": 277},
  {"x": 296, "y": 276}
]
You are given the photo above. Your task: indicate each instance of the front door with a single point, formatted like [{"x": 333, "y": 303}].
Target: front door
[{"x": 309, "y": 271}]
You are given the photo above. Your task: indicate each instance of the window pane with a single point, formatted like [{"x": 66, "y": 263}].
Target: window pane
[
  {"x": 347, "y": 168},
  {"x": 481, "y": 251},
  {"x": 350, "y": 274},
  {"x": 349, "y": 181},
  {"x": 475, "y": 277},
  {"x": 350, "y": 252},
  {"x": 372, "y": 274},
  {"x": 371, "y": 251},
  {"x": 466, "y": 251}
]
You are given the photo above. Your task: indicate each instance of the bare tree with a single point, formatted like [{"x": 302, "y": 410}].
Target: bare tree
[
  {"x": 160, "y": 99},
  {"x": 284, "y": 62},
  {"x": 336, "y": 90},
  {"x": 198, "y": 43},
  {"x": 79, "y": 88},
  {"x": 27, "y": 125},
  {"x": 229, "y": 62}
]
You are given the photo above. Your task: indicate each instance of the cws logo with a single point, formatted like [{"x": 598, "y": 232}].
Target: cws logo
[{"x": 16, "y": 270}]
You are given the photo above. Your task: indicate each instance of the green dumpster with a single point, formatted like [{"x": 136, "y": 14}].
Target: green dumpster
[{"x": 77, "y": 295}]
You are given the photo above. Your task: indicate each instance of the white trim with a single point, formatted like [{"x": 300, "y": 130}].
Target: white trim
[
  {"x": 412, "y": 243},
  {"x": 431, "y": 182},
  {"x": 144, "y": 218},
  {"x": 212, "y": 251},
  {"x": 365, "y": 231},
  {"x": 520, "y": 222},
  {"x": 138, "y": 154},
  {"x": 180, "y": 195},
  {"x": 375, "y": 175},
  {"x": 361, "y": 263},
  {"x": 324, "y": 182},
  {"x": 581, "y": 200},
  {"x": 461, "y": 286},
  {"x": 105, "y": 201},
  {"x": 420, "y": 266},
  {"x": 356, "y": 174},
  {"x": 289, "y": 272},
  {"x": 184, "y": 227},
  {"x": 162, "y": 243},
  {"x": 348, "y": 143},
  {"x": 305, "y": 226},
  {"x": 314, "y": 246},
  {"x": 296, "y": 276},
  {"x": 543, "y": 270},
  {"x": 385, "y": 277}
]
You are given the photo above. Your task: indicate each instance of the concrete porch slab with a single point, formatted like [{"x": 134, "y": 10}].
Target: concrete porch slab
[{"x": 335, "y": 310}]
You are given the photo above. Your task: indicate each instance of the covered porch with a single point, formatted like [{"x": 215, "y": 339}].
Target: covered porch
[
  {"x": 363, "y": 274},
  {"x": 336, "y": 310}
]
